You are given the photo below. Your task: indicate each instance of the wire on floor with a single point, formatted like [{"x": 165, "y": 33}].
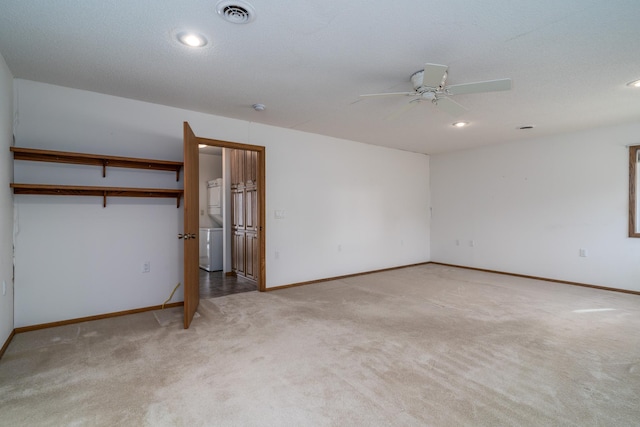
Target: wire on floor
[{"x": 170, "y": 296}]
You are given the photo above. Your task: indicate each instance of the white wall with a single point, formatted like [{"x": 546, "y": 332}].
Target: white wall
[
  {"x": 637, "y": 222},
  {"x": 349, "y": 207},
  {"x": 531, "y": 206},
  {"x": 6, "y": 205},
  {"x": 210, "y": 168}
]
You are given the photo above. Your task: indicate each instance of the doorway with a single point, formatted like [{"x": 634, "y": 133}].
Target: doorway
[
  {"x": 243, "y": 265},
  {"x": 221, "y": 180}
]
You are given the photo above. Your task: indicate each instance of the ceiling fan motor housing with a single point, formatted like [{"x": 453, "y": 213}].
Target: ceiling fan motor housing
[{"x": 417, "y": 80}]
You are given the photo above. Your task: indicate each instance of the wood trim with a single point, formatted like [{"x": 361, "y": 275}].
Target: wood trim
[
  {"x": 229, "y": 144},
  {"x": 564, "y": 282},
  {"x": 262, "y": 185},
  {"x": 262, "y": 221},
  {"x": 33, "y": 154},
  {"x": 346, "y": 276},
  {"x": 634, "y": 229},
  {"x": 97, "y": 317},
  {"x": 7, "y": 342},
  {"x": 546, "y": 279}
]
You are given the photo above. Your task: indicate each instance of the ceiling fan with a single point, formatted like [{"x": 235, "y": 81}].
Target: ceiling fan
[{"x": 430, "y": 85}]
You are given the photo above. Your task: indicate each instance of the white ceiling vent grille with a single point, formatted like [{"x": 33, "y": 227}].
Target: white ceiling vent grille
[{"x": 236, "y": 12}]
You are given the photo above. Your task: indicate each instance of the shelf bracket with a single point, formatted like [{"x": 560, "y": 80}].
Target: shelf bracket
[
  {"x": 178, "y": 174},
  {"x": 178, "y": 201},
  {"x": 104, "y": 199},
  {"x": 104, "y": 168}
]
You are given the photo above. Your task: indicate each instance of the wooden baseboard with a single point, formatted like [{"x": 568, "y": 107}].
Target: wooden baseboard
[
  {"x": 6, "y": 343},
  {"x": 310, "y": 282},
  {"x": 546, "y": 279},
  {"x": 97, "y": 317},
  {"x": 328, "y": 279}
]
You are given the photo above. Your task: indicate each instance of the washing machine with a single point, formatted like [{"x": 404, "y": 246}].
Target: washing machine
[{"x": 211, "y": 241}]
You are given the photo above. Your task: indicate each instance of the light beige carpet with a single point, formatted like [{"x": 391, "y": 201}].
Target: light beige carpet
[{"x": 427, "y": 345}]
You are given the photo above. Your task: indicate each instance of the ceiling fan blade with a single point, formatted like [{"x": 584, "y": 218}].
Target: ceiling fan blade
[
  {"x": 479, "y": 87},
  {"x": 390, "y": 94},
  {"x": 433, "y": 75},
  {"x": 450, "y": 106},
  {"x": 403, "y": 110}
]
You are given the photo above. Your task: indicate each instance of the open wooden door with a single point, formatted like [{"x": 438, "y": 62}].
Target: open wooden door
[{"x": 191, "y": 226}]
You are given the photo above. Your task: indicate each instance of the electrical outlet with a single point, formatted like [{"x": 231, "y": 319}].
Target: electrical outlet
[
  {"x": 146, "y": 267},
  {"x": 584, "y": 252}
]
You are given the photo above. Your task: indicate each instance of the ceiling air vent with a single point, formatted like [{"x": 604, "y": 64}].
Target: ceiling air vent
[{"x": 236, "y": 12}]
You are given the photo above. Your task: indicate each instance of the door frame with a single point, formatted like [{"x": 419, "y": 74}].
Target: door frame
[{"x": 262, "y": 230}]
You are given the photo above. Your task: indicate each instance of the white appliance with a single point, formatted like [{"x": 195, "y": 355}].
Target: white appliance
[
  {"x": 214, "y": 201},
  {"x": 211, "y": 249}
]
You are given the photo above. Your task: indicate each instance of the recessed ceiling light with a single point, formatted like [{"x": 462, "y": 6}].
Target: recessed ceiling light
[
  {"x": 635, "y": 83},
  {"x": 236, "y": 11},
  {"x": 460, "y": 124},
  {"x": 258, "y": 107},
  {"x": 191, "y": 39}
]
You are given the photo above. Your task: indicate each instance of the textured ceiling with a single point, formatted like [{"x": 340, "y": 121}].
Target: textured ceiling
[{"x": 309, "y": 60}]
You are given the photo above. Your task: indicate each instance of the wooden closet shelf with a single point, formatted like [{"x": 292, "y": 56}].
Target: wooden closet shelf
[
  {"x": 37, "y": 155},
  {"x": 104, "y": 192}
]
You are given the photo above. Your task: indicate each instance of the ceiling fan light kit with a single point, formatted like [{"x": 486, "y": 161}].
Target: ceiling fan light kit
[
  {"x": 635, "y": 83},
  {"x": 431, "y": 84}
]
